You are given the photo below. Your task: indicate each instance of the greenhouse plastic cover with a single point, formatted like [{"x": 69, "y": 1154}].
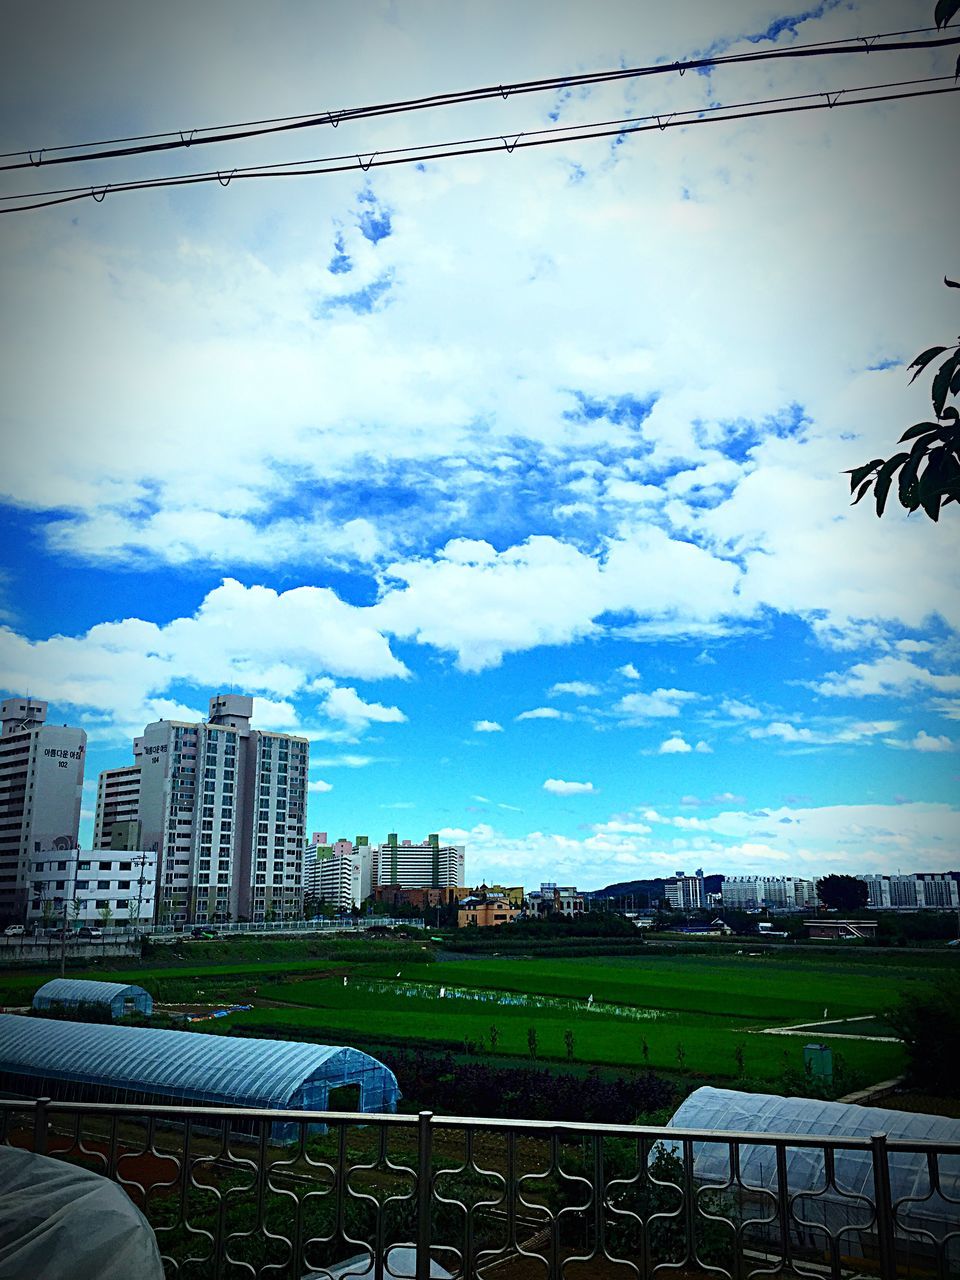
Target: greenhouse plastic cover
[
  {"x": 57, "y": 1220},
  {"x": 192, "y": 1066},
  {"x": 729, "y": 1110},
  {"x": 83, "y": 991}
]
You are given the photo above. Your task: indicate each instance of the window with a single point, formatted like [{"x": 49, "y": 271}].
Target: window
[
  {"x": 61, "y": 866},
  {"x": 83, "y": 884},
  {"x": 123, "y": 884},
  {"x": 83, "y": 866},
  {"x": 223, "y": 879},
  {"x": 101, "y": 903},
  {"x": 125, "y": 866},
  {"x": 104, "y": 866}
]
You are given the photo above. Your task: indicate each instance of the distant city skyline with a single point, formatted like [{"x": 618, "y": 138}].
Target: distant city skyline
[{"x": 514, "y": 483}]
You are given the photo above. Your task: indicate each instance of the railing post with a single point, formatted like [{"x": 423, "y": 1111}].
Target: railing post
[
  {"x": 40, "y": 1123},
  {"x": 424, "y": 1173},
  {"x": 883, "y": 1206}
]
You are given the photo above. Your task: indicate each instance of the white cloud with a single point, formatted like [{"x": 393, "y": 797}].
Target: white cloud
[
  {"x": 740, "y": 710},
  {"x": 541, "y": 713},
  {"x": 837, "y": 732},
  {"x": 487, "y": 726},
  {"x": 345, "y": 704},
  {"x": 629, "y": 671},
  {"x": 703, "y": 748},
  {"x": 579, "y": 688},
  {"x": 674, "y": 746},
  {"x": 557, "y": 787},
  {"x": 884, "y": 676},
  {"x": 318, "y": 785},
  {"x": 924, "y": 741},
  {"x": 266, "y": 642},
  {"x": 345, "y": 762},
  {"x": 635, "y": 708}
]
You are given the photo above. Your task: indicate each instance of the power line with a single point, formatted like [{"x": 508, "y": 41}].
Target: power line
[
  {"x": 179, "y": 139},
  {"x": 824, "y": 99}
]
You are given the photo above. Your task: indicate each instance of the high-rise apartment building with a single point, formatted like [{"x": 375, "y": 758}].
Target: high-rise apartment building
[
  {"x": 684, "y": 892},
  {"x": 915, "y": 892},
  {"x": 118, "y": 798},
  {"x": 41, "y": 780},
  {"x": 417, "y": 866},
  {"x": 752, "y": 893},
  {"x": 224, "y": 808},
  {"x": 341, "y": 873}
]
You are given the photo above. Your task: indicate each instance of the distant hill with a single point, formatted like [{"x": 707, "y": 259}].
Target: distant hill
[{"x": 650, "y": 888}]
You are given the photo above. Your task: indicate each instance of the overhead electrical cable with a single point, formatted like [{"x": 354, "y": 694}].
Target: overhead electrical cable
[
  {"x": 821, "y": 100},
  {"x": 180, "y": 139}
]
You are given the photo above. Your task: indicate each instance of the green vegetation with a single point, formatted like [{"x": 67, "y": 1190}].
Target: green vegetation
[{"x": 696, "y": 1015}]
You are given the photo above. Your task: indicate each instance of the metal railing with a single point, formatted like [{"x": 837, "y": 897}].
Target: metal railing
[{"x": 430, "y": 1195}]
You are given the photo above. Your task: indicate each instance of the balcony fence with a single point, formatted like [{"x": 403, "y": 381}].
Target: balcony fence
[{"x": 507, "y": 1199}]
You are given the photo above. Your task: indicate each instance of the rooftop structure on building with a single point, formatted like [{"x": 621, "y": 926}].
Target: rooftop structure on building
[
  {"x": 41, "y": 782},
  {"x": 555, "y": 899}
]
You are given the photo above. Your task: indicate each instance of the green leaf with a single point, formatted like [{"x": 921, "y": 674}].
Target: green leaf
[
  {"x": 909, "y": 489},
  {"x": 920, "y": 429},
  {"x": 951, "y": 284},
  {"x": 857, "y": 474},
  {"x": 885, "y": 475},
  {"x": 923, "y": 359},
  {"x": 954, "y": 384},
  {"x": 930, "y": 490},
  {"x": 944, "y": 11},
  {"x": 863, "y": 489},
  {"x": 941, "y": 383}
]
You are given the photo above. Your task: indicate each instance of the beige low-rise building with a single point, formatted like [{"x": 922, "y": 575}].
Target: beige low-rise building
[{"x": 487, "y": 913}]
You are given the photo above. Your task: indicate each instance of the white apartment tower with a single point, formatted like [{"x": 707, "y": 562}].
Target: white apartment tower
[
  {"x": 341, "y": 873},
  {"x": 224, "y": 807},
  {"x": 428, "y": 864},
  {"x": 41, "y": 779}
]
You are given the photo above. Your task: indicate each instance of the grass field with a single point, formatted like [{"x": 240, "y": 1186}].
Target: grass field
[{"x": 701, "y": 1014}]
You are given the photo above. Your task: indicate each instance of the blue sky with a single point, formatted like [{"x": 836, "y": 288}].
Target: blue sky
[{"x": 513, "y": 481}]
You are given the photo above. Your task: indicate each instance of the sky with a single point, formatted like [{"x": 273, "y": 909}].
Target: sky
[{"x": 514, "y": 481}]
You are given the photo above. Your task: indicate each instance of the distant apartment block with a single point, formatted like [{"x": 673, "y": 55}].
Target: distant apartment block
[
  {"x": 684, "y": 892},
  {"x": 118, "y": 798},
  {"x": 918, "y": 892},
  {"x": 417, "y": 866},
  {"x": 223, "y": 807},
  {"x": 753, "y": 893},
  {"x": 93, "y": 887},
  {"x": 41, "y": 780},
  {"x": 341, "y": 873}
]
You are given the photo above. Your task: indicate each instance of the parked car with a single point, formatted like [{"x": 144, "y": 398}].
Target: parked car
[
  {"x": 89, "y": 931},
  {"x": 14, "y": 931},
  {"x": 62, "y": 935},
  {"x": 203, "y": 934}
]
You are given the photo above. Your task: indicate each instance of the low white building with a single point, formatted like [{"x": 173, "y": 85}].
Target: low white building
[{"x": 99, "y": 886}]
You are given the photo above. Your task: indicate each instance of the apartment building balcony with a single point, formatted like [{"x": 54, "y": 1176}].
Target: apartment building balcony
[{"x": 506, "y": 1199}]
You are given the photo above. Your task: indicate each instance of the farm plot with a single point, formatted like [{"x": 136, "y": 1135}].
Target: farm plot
[{"x": 691, "y": 1014}]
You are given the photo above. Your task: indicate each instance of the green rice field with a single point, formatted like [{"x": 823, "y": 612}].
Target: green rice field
[{"x": 708, "y": 1014}]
